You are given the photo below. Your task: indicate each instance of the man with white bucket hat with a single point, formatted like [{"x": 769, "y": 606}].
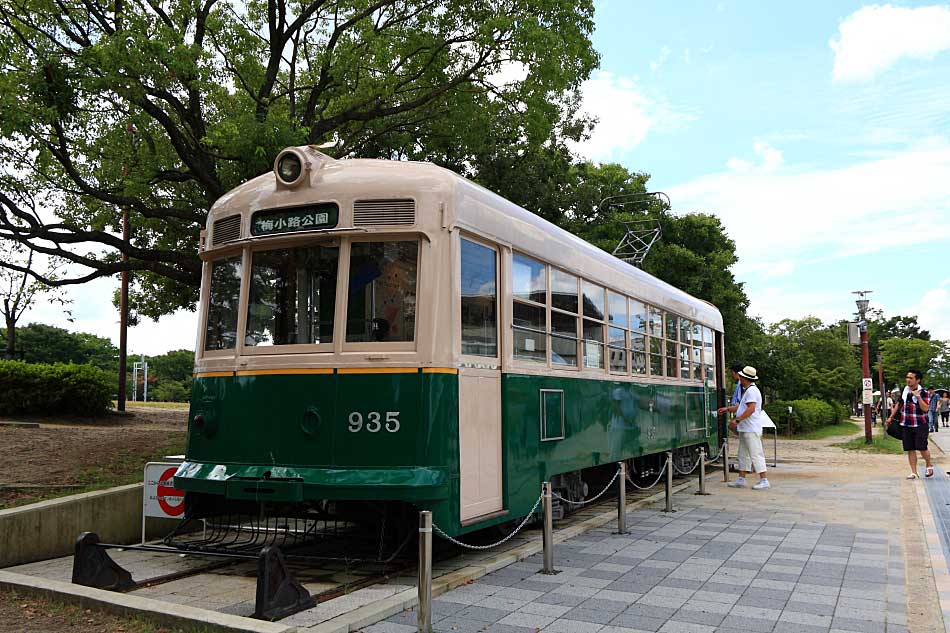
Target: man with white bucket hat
[{"x": 748, "y": 423}]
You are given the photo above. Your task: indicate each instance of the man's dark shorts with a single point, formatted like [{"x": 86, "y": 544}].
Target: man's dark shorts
[{"x": 915, "y": 438}]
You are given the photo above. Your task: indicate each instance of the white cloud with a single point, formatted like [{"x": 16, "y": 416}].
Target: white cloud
[
  {"x": 786, "y": 219},
  {"x": 771, "y": 159},
  {"x": 876, "y": 37},
  {"x": 625, "y": 116},
  {"x": 664, "y": 55},
  {"x": 776, "y": 212},
  {"x": 933, "y": 310}
]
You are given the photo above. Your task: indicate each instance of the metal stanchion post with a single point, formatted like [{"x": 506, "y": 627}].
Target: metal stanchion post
[
  {"x": 622, "y": 499},
  {"x": 702, "y": 471},
  {"x": 669, "y": 482},
  {"x": 547, "y": 534},
  {"x": 425, "y": 572},
  {"x": 725, "y": 459}
]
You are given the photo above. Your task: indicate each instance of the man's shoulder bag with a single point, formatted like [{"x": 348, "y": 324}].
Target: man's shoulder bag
[{"x": 895, "y": 430}]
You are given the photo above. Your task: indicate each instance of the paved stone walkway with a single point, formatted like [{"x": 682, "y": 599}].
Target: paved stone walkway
[{"x": 812, "y": 555}]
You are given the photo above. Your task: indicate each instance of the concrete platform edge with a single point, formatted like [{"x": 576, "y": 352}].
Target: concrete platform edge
[{"x": 155, "y": 611}]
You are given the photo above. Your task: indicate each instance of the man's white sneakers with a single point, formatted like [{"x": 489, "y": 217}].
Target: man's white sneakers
[
  {"x": 738, "y": 483},
  {"x": 762, "y": 485}
]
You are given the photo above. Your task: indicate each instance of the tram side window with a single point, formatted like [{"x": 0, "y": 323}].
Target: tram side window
[
  {"x": 672, "y": 328},
  {"x": 292, "y": 296},
  {"x": 686, "y": 329},
  {"x": 638, "y": 341},
  {"x": 593, "y": 326},
  {"x": 619, "y": 322},
  {"x": 529, "y": 312},
  {"x": 656, "y": 342},
  {"x": 697, "y": 336},
  {"x": 564, "y": 315},
  {"x": 709, "y": 355},
  {"x": 479, "y": 300},
  {"x": 382, "y": 292},
  {"x": 225, "y": 295}
]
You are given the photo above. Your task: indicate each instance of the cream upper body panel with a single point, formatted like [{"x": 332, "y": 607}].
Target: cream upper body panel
[{"x": 444, "y": 204}]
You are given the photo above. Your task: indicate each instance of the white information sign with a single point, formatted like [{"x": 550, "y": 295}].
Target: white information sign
[
  {"x": 868, "y": 396},
  {"x": 867, "y": 384}
]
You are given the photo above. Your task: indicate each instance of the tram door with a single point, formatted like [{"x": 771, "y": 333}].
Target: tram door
[
  {"x": 480, "y": 456},
  {"x": 480, "y": 442}
]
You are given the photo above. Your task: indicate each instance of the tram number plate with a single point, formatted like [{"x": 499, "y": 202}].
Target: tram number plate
[{"x": 374, "y": 422}]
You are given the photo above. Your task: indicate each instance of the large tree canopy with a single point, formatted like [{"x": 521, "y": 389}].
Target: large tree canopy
[{"x": 158, "y": 108}]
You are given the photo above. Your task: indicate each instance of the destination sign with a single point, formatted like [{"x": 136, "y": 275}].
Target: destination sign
[{"x": 309, "y": 218}]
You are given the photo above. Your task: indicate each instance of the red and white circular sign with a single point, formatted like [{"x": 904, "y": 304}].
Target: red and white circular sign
[{"x": 162, "y": 499}]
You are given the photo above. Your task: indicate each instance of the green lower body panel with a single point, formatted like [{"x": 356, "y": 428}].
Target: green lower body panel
[{"x": 262, "y": 483}]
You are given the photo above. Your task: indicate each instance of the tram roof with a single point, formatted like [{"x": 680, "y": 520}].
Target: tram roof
[{"x": 480, "y": 211}]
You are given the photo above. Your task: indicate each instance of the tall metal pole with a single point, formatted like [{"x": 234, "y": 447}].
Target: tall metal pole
[
  {"x": 123, "y": 315},
  {"x": 424, "y": 618},
  {"x": 866, "y": 372},
  {"x": 880, "y": 382},
  {"x": 862, "y": 303}
]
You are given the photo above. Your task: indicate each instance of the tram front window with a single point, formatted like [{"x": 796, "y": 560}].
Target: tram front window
[
  {"x": 221, "y": 328},
  {"x": 292, "y": 295},
  {"x": 382, "y": 292}
]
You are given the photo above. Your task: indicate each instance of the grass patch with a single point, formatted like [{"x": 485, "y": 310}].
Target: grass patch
[
  {"x": 124, "y": 468},
  {"x": 881, "y": 443},
  {"x": 138, "y": 404},
  {"x": 832, "y": 430}
]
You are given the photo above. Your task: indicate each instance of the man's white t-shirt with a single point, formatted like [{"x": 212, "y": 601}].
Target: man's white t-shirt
[{"x": 753, "y": 423}]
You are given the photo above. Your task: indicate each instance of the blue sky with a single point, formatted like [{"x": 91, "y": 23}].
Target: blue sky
[{"x": 819, "y": 132}]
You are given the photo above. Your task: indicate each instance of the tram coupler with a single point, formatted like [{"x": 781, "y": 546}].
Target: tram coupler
[
  {"x": 93, "y": 567},
  {"x": 278, "y": 592}
]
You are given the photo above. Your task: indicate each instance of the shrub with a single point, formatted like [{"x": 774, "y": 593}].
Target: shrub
[
  {"x": 807, "y": 414},
  {"x": 59, "y": 388},
  {"x": 169, "y": 391}
]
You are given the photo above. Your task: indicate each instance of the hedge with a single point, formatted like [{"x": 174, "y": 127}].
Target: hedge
[
  {"x": 807, "y": 415},
  {"x": 60, "y": 388}
]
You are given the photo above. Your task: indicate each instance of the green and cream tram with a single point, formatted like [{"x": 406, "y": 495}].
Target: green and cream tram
[{"x": 382, "y": 331}]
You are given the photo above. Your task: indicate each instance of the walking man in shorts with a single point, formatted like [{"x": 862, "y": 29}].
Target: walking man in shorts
[
  {"x": 748, "y": 425},
  {"x": 912, "y": 408}
]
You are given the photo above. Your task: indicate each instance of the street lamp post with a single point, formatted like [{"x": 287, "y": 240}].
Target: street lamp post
[{"x": 862, "y": 303}]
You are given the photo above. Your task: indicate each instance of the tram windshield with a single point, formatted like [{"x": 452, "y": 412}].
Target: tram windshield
[
  {"x": 292, "y": 295},
  {"x": 382, "y": 292},
  {"x": 223, "y": 301}
]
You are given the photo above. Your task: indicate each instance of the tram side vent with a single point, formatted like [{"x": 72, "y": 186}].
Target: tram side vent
[
  {"x": 384, "y": 212},
  {"x": 226, "y": 230}
]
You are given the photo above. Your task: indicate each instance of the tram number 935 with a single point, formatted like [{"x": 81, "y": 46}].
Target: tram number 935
[{"x": 374, "y": 422}]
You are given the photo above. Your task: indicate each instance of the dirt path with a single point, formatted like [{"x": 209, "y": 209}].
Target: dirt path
[{"x": 87, "y": 452}]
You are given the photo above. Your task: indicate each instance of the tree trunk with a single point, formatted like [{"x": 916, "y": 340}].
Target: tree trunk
[{"x": 9, "y": 352}]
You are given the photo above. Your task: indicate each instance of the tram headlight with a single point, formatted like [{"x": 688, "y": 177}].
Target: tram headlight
[{"x": 289, "y": 168}]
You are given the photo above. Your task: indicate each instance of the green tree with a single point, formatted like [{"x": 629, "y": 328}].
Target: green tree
[
  {"x": 19, "y": 291},
  {"x": 172, "y": 367},
  {"x": 49, "y": 344},
  {"x": 809, "y": 360},
  {"x": 157, "y": 109},
  {"x": 900, "y": 355}
]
